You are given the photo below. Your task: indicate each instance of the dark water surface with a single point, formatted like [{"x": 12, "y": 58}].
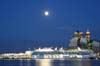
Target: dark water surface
[{"x": 48, "y": 62}]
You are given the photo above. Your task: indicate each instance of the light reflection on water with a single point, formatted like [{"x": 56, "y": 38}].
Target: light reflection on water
[
  {"x": 65, "y": 62},
  {"x": 49, "y": 62},
  {"x": 25, "y": 62},
  {"x": 44, "y": 62},
  {"x": 81, "y": 63}
]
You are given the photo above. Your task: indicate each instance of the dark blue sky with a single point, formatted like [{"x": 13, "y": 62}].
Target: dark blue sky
[{"x": 23, "y": 20}]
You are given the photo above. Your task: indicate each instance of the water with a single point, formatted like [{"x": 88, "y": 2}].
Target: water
[{"x": 48, "y": 62}]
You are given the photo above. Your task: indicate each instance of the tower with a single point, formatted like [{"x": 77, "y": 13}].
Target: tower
[
  {"x": 76, "y": 34},
  {"x": 80, "y": 34},
  {"x": 88, "y": 36}
]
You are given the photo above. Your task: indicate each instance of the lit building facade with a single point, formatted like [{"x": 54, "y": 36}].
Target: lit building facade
[{"x": 81, "y": 40}]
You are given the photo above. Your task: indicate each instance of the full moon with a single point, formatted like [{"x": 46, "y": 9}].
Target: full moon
[{"x": 46, "y": 13}]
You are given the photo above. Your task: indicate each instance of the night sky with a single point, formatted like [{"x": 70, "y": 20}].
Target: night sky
[{"x": 23, "y": 23}]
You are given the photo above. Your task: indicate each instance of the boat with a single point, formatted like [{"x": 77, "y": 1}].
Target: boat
[{"x": 49, "y": 53}]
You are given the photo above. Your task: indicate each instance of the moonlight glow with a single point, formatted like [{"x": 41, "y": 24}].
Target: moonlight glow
[{"x": 46, "y": 13}]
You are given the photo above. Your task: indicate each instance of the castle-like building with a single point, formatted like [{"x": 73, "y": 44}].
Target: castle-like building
[{"x": 82, "y": 40}]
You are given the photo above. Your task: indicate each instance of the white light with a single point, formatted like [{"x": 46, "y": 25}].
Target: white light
[{"x": 46, "y": 13}]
